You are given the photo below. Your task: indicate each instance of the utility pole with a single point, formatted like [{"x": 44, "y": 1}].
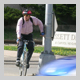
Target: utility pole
[
  {"x": 48, "y": 24},
  {"x": 47, "y": 55}
]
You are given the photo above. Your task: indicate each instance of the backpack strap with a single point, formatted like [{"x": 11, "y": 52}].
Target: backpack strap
[
  {"x": 23, "y": 20},
  {"x": 30, "y": 20}
]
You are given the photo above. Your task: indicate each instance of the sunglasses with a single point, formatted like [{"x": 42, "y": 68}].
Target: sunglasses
[{"x": 26, "y": 15}]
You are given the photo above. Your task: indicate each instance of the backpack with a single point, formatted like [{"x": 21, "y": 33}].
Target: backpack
[{"x": 30, "y": 20}]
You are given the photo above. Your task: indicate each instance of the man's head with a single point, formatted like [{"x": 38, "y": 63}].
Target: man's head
[{"x": 26, "y": 13}]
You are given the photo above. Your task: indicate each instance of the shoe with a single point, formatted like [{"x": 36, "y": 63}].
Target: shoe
[
  {"x": 17, "y": 63},
  {"x": 27, "y": 66}
]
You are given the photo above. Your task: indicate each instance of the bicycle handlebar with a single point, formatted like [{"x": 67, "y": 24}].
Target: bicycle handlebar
[{"x": 27, "y": 40}]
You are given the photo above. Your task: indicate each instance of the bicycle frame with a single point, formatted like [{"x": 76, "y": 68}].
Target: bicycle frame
[
  {"x": 23, "y": 65},
  {"x": 22, "y": 68},
  {"x": 24, "y": 50}
]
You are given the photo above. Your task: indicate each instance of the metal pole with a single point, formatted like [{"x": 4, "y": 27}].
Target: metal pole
[
  {"x": 53, "y": 26},
  {"x": 47, "y": 55},
  {"x": 48, "y": 24}
]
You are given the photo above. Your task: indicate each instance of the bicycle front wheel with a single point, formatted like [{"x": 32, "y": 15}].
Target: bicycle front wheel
[
  {"x": 23, "y": 67},
  {"x": 20, "y": 70}
]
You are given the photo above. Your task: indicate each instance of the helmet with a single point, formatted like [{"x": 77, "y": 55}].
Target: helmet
[{"x": 26, "y": 12}]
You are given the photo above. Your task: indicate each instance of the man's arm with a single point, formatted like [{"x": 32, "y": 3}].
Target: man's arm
[
  {"x": 38, "y": 22},
  {"x": 18, "y": 29}
]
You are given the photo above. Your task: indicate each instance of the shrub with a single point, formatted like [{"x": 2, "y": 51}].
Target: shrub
[
  {"x": 65, "y": 13},
  {"x": 37, "y": 10},
  {"x": 11, "y": 15}
]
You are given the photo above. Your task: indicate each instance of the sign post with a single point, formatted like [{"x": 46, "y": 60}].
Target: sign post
[{"x": 47, "y": 55}]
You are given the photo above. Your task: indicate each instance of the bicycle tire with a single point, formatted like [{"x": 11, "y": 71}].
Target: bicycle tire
[
  {"x": 20, "y": 72},
  {"x": 23, "y": 68},
  {"x": 25, "y": 72},
  {"x": 25, "y": 65}
]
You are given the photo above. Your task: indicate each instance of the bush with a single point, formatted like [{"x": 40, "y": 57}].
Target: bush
[
  {"x": 65, "y": 13},
  {"x": 11, "y": 15},
  {"x": 37, "y": 10}
]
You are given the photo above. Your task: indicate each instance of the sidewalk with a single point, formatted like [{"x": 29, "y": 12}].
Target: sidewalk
[
  {"x": 11, "y": 55},
  {"x": 10, "y": 68},
  {"x": 9, "y": 63}
]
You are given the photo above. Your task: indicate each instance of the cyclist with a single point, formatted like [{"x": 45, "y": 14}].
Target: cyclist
[{"x": 24, "y": 32}]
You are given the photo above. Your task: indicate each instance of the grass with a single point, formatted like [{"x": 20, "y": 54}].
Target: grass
[
  {"x": 10, "y": 34},
  {"x": 64, "y": 51},
  {"x": 56, "y": 50}
]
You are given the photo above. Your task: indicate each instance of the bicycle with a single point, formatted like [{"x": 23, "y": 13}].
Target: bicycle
[{"x": 23, "y": 62}]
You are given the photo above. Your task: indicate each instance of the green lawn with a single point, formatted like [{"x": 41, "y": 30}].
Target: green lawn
[
  {"x": 56, "y": 50},
  {"x": 10, "y": 34}
]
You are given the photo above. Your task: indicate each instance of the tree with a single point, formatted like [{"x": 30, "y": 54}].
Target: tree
[
  {"x": 37, "y": 10},
  {"x": 11, "y": 15},
  {"x": 65, "y": 13}
]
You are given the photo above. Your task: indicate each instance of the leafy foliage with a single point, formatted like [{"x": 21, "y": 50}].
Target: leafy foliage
[
  {"x": 11, "y": 15},
  {"x": 37, "y": 10},
  {"x": 65, "y": 13}
]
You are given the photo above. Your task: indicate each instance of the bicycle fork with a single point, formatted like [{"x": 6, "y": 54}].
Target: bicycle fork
[{"x": 24, "y": 62}]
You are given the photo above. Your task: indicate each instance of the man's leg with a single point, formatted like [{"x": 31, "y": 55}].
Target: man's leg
[
  {"x": 30, "y": 47},
  {"x": 19, "y": 52}
]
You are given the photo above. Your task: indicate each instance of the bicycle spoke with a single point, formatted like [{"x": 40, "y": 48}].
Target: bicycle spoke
[
  {"x": 20, "y": 71},
  {"x": 24, "y": 69}
]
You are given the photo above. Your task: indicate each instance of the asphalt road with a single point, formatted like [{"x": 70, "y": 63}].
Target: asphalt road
[{"x": 10, "y": 68}]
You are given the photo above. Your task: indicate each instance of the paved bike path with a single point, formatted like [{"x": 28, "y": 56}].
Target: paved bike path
[
  {"x": 11, "y": 55},
  {"x": 9, "y": 63}
]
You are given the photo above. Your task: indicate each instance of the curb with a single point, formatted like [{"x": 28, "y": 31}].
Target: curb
[{"x": 14, "y": 41}]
